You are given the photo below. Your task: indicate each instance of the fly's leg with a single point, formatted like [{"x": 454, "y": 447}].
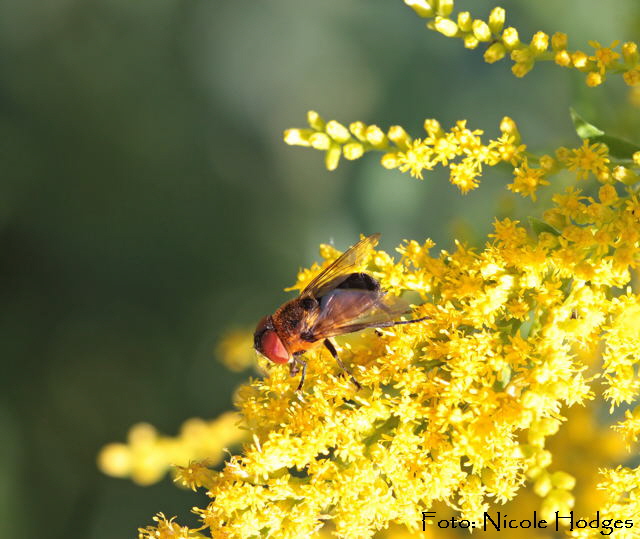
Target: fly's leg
[
  {"x": 294, "y": 368},
  {"x": 329, "y": 346}
]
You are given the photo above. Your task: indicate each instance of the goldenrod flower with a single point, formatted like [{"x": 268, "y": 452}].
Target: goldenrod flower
[
  {"x": 474, "y": 32},
  {"x": 590, "y": 158},
  {"x": 147, "y": 456},
  {"x": 461, "y": 410}
]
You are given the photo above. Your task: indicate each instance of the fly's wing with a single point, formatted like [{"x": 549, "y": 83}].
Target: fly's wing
[
  {"x": 348, "y": 310},
  {"x": 346, "y": 263}
]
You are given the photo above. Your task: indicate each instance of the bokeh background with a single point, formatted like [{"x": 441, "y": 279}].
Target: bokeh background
[{"x": 148, "y": 203}]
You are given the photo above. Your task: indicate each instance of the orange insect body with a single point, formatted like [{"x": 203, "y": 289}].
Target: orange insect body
[{"x": 339, "y": 300}]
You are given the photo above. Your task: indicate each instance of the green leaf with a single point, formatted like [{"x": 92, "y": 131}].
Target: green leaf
[
  {"x": 539, "y": 226},
  {"x": 584, "y": 128},
  {"x": 618, "y": 148}
]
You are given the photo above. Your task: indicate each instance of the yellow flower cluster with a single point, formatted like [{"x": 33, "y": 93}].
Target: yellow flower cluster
[
  {"x": 460, "y": 149},
  {"x": 457, "y": 409},
  {"x": 474, "y": 407},
  {"x": 500, "y": 41},
  {"x": 147, "y": 456}
]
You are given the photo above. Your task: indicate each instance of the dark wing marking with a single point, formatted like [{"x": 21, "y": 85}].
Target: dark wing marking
[
  {"x": 345, "y": 311},
  {"x": 346, "y": 263}
]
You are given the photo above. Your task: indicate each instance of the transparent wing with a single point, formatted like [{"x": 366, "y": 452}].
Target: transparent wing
[
  {"x": 348, "y": 310},
  {"x": 346, "y": 263}
]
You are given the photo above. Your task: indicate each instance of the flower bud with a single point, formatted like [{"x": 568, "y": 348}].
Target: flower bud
[
  {"x": 625, "y": 175},
  {"x": 559, "y": 41},
  {"x": 315, "y": 121},
  {"x": 481, "y": 30},
  {"x": 297, "y": 137},
  {"x": 542, "y": 485},
  {"x": 445, "y": 7},
  {"x": 496, "y": 19},
  {"x": 320, "y": 141},
  {"x": 510, "y": 38},
  {"x": 579, "y": 60},
  {"x": 562, "y": 58},
  {"x": 358, "y": 130},
  {"x": 470, "y": 41},
  {"x": 446, "y": 26},
  {"x": 630, "y": 53},
  {"x": 421, "y": 7},
  {"x": 337, "y": 132},
  {"x": 563, "y": 480},
  {"x": 353, "y": 150},
  {"x": 332, "y": 157},
  {"x": 389, "y": 160},
  {"x": 494, "y": 53},
  {"x": 632, "y": 78},
  {"x": 376, "y": 137},
  {"x": 539, "y": 43},
  {"x": 399, "y": 136},
  {"x": 521, "y": 69},
  {"x": 465, "y": 21},
  {"x": 433, "y": 128},
  {"x": 594, "y": 79}
]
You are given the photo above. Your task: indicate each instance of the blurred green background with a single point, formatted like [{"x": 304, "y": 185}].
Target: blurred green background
[{"x": 148, "y": 202}]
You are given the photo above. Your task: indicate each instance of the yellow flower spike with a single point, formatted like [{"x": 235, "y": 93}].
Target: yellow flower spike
[
  {"x": 147, "y": 456},
  {"x": 337, "y": 132},
  {"x": 636, "y": 158},
  {"x": 446, "y": 27},
  {"x": 465, "y": 21},
  {"x": 421, "y": 7},
  {"x": 481, "y": 30},
  {"x": 332, "y": 156},
  {"x": 353, "y": 150},
  {"x": 494, "y": 53},
  {"x": 510, "y": 38},
  {"x": 298, "y": 137},
  {"x": 315, "y": 121},
  {"x": 496, "y": 19}
]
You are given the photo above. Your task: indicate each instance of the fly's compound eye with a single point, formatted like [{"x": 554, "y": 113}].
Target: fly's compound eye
[{"x": 272, "y": 347}]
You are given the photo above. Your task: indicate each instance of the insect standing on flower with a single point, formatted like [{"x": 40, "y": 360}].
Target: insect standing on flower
[{"x": 339, "y": 300}]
